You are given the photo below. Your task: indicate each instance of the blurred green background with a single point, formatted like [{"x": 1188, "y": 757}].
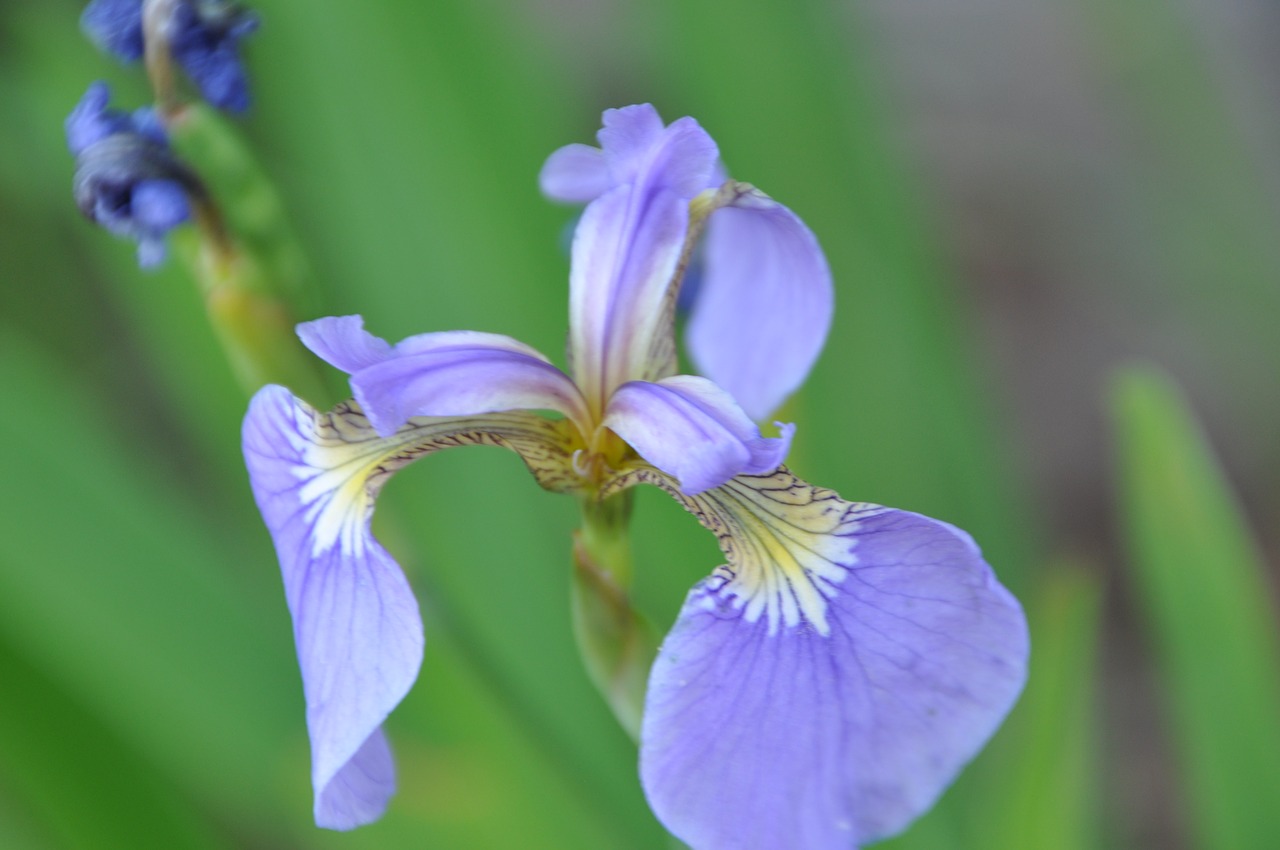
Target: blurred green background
[{"x": 1017, "y": 200}]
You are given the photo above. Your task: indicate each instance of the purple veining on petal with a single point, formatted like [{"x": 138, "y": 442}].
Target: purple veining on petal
[
  {"x": 764, "y": 305},
  {"x": 691, "y": 429},
  {"x": 824, "y": 737},
  {"x": 356, "y": 622}
]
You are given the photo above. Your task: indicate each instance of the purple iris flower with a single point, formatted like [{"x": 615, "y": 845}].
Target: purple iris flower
[
  {"x": 127, "y": 179},
  {"x": 818, "y": 690},
  {"x": 202, "y": 35}
]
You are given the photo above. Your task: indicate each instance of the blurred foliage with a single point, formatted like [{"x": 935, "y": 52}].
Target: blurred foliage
[
  {"x": 1214, "y": 625},
  {"x": 148, "y": 692}
]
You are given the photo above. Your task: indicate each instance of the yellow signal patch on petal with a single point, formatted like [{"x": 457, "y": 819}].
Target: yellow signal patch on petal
[
  {"x": 788, "y": 544},
  {"x": 344, "y": 463}
]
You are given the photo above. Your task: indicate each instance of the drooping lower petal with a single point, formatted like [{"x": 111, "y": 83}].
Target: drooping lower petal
[
  {"x": 764, "y": 305},
  {"x": 693, "y": 430},
  {"x": 355, "y": 619},
  {"x": 356, "y": 624},
  {"x": 824, "y": 687}
]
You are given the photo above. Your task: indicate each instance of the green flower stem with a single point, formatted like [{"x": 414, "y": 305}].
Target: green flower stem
[
  {"x": 250, "y": 269},
  {"x": 158, "y": 60},
  {"x": 255, "y": 328},
  {"x": 617, "y": 644}
]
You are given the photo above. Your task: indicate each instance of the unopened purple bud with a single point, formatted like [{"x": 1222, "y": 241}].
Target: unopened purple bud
[
  {"x": 115, "y": 26},
  {"x": 127, "y": 179},
  {"x": 205, "y": 40},
  {"x": 202, "y": 36}
]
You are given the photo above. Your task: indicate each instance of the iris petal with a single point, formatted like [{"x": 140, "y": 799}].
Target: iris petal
[
  {"x": 679, "y": 158},
  {"x": 575, "y": 174},
  {"x": 356, "y": 624},
  {"x": 355, "y": 620},
  {"x": 691, "y": 429},
  {"x": 765, "y": 302},
  {"x": 455, "y": 373},
  {"x": 342, "y": 342},
  {"x": 462, "y": 374},
  {"x": 625, "y": 252},
  {"x": 823, "y": 688}
]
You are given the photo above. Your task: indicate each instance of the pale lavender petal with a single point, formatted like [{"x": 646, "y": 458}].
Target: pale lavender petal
[
  {"x": 628, "y": 243},
  {"x": 628, "y": 133},
  {"x": 462, "y": 373},
  {"x": 637, "y": 148},
  {"x": 575, "y": 174},
  {"x": 824, "y": 688},
  {"x": 680, "y": 158},
  {"x": 625, "y": 252},
  {"x": 691, "y": 429},
  {"x": 765, "y": 302},
  {"x": 358, "y": 792},
  {"x": 342, "y": 342},
  {"x": 355, "y": 619}
]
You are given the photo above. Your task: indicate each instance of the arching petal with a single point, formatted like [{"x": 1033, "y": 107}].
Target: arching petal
[
  {"x": 764, "y": 305},
  {"x": 356, "y": 624},
  {"x": 823, "y": 688},
  {"x": 691, "y": 429},
  {"x": 461, "y": 373},
  {"x": 342, "y": 342}
]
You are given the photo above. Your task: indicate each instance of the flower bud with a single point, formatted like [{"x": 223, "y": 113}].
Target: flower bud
[{"x": 127, "y": 179}]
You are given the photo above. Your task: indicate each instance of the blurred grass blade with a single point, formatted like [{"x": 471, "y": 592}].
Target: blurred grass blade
[
  {"x": 84, "y": 787},
  {"x": 1200, "y": 581},
  {"x": 1047, "y": 750},
  {"x": 111, "y": 588}
]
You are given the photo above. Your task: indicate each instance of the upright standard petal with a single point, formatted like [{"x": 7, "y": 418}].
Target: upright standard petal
[
  {"x": 638, "y": 149},
  {"x": 626, "y": 250},
  {"x": 764, "y": 305},
  {"x": 356, "y": 624},
  {"x": 693, "y": 430},
  {"x": 825, "y": 686}
]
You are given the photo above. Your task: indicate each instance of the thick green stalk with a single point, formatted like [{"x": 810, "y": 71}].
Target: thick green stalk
[{"x": 616, "y": 643}]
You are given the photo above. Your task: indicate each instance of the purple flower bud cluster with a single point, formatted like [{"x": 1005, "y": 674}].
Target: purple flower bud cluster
[
  {"x": 127, "y": 178},
  {"x": 203, "y": 36}
]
